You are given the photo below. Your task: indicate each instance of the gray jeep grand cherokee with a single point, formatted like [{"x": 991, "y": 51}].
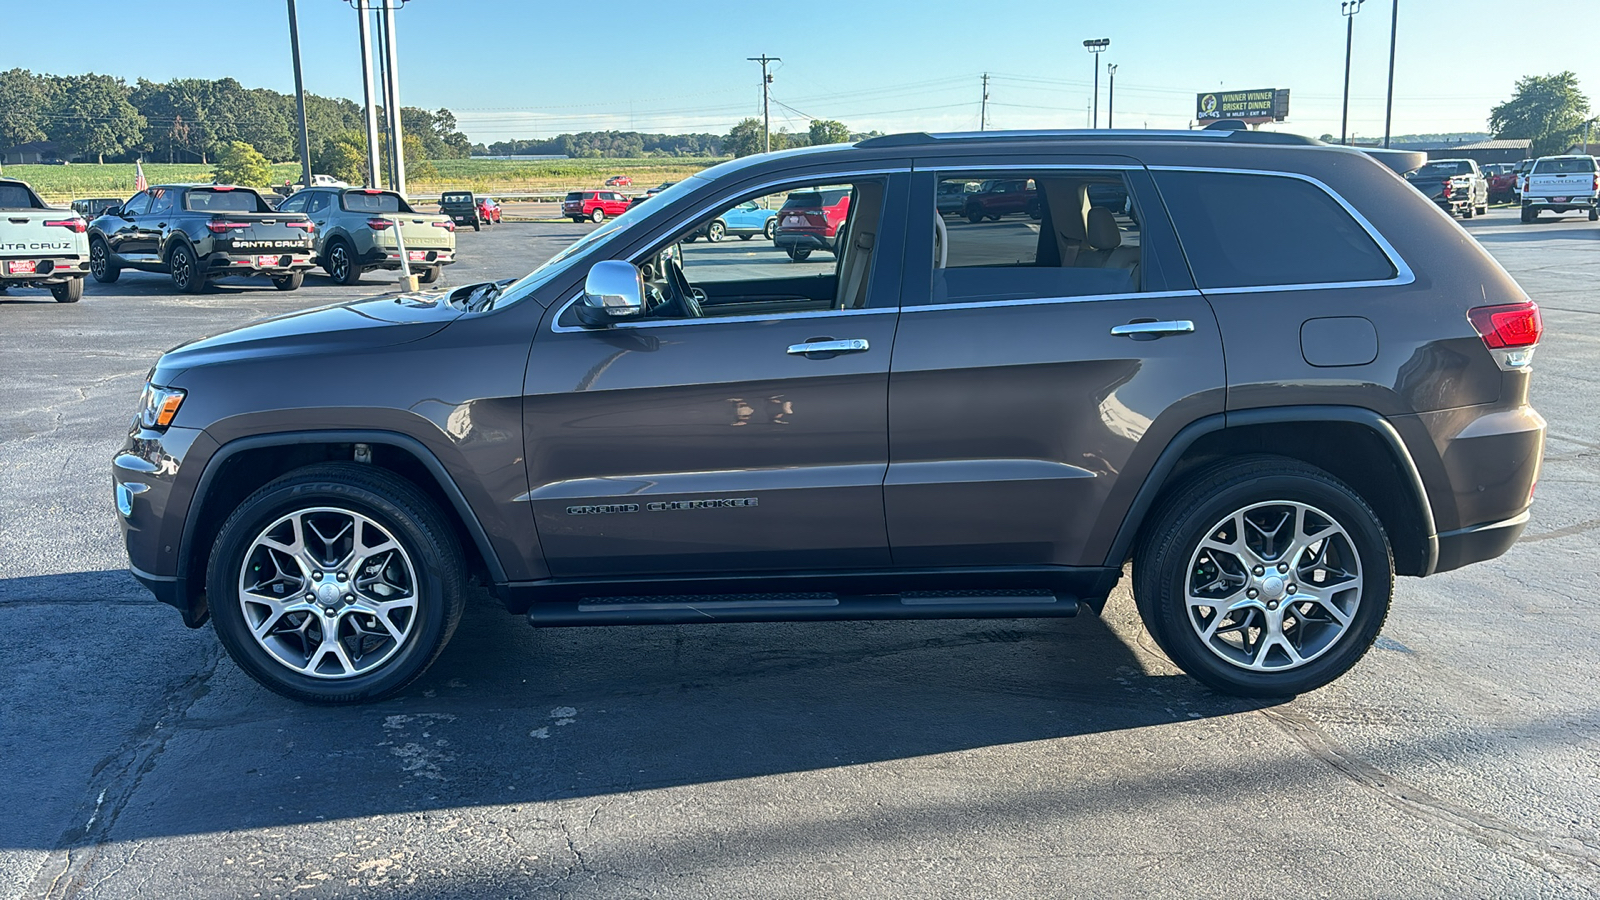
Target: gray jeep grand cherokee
[{"x": 1274, "y": 378}]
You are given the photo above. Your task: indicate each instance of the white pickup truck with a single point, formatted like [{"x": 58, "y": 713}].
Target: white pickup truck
[
  {"x": 41, "y": 246},
  {"x": 1560, "y": 184}
]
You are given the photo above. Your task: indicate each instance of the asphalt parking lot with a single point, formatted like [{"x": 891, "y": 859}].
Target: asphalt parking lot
[{"x": 1026, "y": 758}]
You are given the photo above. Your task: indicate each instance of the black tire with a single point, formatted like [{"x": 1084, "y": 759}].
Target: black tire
[
  {"x": 798, "y": 255},
  {"x": 290, "y": 282},
  {"x": 104, "y": 269},
  {"x": 185, "y": 270},
  {"x": 577, "y": 220},
  {"x": 69, "y": 291},
  {"x": 1529, "y": 215},
  {"x": 1594, "y": 214},
  {"x": 340, "y": 263},
  {"x": 692, "y": 238},
  {"x": 1467, "y": 211},
  {"x": 394, "y": 505},
  {"x": 746, "y": 237},
  {"x": 1483, "y": 210},
  {"x": 597, "y": 215},
  {"x": 1170, "y": 542},
  {"x": 429, "y": 275},
  {"x": 771, "y": 228},
  {"x": 476, "y": 225},
  {"x": 975, "y": 216},
  {"x": 715, "y": 231}
]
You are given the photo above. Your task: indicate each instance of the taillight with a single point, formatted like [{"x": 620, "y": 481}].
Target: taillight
[
  {"x": 1511, "y": 331},
  {"x": 1596, "y": 185},
  {"x": 306, "y": 225},
  {"x": 74, "y": 225},
  {"x": 222, "y": 227},
  {"x": 379, "y": 224},
  {"x": 447, "y": 226}
]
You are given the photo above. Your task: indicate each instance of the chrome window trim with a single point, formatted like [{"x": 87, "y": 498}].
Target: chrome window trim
[
  {"x": 1403, "y": 273},
  {"x": 1037, "y": 301},
  {"x": 705, "y": 209}
]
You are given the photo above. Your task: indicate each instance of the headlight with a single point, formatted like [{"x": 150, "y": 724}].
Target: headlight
[{"x": 157, "y": 406}]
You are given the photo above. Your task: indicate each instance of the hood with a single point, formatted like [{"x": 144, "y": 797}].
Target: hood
[{"x": 346, "y": 327}]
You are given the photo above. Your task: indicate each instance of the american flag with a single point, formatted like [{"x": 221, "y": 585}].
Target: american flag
[{"x": 139, "y": 183}]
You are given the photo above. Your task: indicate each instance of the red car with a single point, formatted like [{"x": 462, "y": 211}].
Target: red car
[
  {"x": 997, "y": 197},
  {"x": 488, "y": 210},
  {"x": 619, "y": 181},
  {"x": 593, "y": 205},
  {"x": 810, "y": 220}
]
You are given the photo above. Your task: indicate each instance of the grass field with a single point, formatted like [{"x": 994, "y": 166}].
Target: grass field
[{"x": 60, "y": 184}]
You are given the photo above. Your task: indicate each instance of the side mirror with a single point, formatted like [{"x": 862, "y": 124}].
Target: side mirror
[{"x": 613, "y": 290}]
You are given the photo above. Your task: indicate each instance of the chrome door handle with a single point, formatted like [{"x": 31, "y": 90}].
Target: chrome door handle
[
  {"x": 1179, "y": 326},
  {"x": 851, "y": 345}
]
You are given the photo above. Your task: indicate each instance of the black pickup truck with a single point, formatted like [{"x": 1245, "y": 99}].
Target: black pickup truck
[{"x": 197, "y": 233}]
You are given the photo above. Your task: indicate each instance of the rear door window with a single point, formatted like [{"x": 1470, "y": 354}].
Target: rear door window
[
  {"x": 1577, "y": 165},
  {"x": 1246, "y": 230}
]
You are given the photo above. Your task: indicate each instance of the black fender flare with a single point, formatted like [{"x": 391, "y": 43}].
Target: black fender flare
[
  {"x": 411, "y": 445},
  {"x": 1122, "y": 545}
]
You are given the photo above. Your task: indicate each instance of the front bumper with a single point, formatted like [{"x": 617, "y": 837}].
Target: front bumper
[{"x": 142, "y": 476}]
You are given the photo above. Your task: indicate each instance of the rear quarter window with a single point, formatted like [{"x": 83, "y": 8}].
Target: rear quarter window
[{"x": 1245, "y": 230}]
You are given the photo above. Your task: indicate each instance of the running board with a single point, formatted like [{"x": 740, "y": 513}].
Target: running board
[{"x": 811, "y": 607}]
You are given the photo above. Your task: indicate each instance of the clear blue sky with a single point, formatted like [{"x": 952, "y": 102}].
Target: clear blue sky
[{"x": 517, "y": 68}]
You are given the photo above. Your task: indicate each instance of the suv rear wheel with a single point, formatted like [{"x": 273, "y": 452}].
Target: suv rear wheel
[
  {"x": 104, "y": 269},
  {"x": 597, "y": 216},
  {"x": 336, "y": 583},
  {"x": 1264, "y": 577},
  {"x": 341, "y": 264},
  {"x": 185, "y": 270}
]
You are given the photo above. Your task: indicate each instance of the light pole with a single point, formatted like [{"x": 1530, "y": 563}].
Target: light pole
[
  {"x": 300, "y": 97},
  {"x": 1388, "y": 104},
  {"x": 373, "y": 170},
  {"x": 1111, "y": 93},
  {"x": 1348, "y": 9},
  {"x": 1097, "y": 47}
]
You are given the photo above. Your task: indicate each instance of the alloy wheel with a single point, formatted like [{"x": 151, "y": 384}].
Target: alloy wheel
[
  {"x": 328, "y": 592},
  {"x": 1273, "y": 586},
  {"x": 341, "y": 263}
]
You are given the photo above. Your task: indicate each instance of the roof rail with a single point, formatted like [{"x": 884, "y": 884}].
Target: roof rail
[{"x": 923, "y": 138}]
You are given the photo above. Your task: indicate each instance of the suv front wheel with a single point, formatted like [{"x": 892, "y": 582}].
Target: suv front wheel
[
  {"x": 336, "y": 583},
  {"x": 1264, "y": 577}
]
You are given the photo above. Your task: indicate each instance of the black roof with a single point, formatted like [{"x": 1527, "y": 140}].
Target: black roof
[{"x": 922, "y": 138}]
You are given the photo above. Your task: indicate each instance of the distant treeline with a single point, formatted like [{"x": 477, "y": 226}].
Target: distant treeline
[
  {"x": 99, "y": 118},
  {"x": 608, "y": 144}
]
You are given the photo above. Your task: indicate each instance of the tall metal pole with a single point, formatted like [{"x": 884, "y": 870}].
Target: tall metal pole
[
  {"x": 300, "y": 97},
  {"x": 766, "y": 114},
  {"x": 983, "y": 114},
  {"x": 1388, "y": 104},
  {"x": 396, "y": 143},
  {"x": 1111, "y": 93},
  {"x": 1096, "y": 46},
  {"x": 387, "y": 133},
  {"x": 374, "y": 176},
  {"x": 1348, "y": 9}
]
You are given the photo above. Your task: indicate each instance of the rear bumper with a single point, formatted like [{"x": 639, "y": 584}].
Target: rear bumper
[
  {"x": 1576, "y": 202},
  {"x": 801, "y": 241},
  {"x": 1465, "y": 546},
  {"x": 389, "y": 258},
  {"x": 252, "y": 264},
  {"x": 47, "y": 270}
]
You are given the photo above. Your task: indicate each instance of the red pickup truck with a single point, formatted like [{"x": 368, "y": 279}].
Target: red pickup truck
[{"x": 1001, "y": 196}]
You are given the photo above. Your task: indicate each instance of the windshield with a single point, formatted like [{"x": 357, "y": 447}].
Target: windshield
[
  {"x": 374, "y": 202},
  {"x": 1566, "y": 165},
  {"x": 1442, "y": 169},
  {"x": 208, "y": 200},
  {"x": 557, "y": 264}
]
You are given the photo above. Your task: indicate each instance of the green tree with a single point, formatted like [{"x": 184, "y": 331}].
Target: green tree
[
  {"x": 344, "y": 157},
  {"x": 92, "y": 116},
  {"x": 828, "y": 131},
  {"x": 1548, "y": 109},
  {"x": 242, "y": 164},
  {"x": 24, "y": 97},
  {"x": 418, "y": 167},
  {"x": 744, "y": 139}
]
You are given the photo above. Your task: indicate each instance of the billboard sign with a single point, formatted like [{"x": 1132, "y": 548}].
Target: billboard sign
[{"x": 1268, "y": 105}]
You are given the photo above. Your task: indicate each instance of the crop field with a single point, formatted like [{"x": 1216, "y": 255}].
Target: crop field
[{"x": 61, "y": 184}]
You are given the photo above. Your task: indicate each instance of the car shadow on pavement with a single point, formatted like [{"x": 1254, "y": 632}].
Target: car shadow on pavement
[{"x": 512, "y": 714}]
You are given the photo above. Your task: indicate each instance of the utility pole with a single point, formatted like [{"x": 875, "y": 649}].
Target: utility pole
[
  {"x": 373, "y": 172},
  {"x": 1111, "y": 93},
  {"x": 1388, "y": 104},
  {"x": 383, "y": 94},
  {"x": 983, "y": 114},
  {"x": 300, "y": 97},
  {"x": 1096, "y": 46},
  {"x": 1348, "y": 9},
  {"x": 766, "y": 112},
  {"x": 396, "y": 145}
]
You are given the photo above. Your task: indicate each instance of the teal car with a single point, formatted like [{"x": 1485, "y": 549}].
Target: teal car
[{"x": 746, "y": 220}]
